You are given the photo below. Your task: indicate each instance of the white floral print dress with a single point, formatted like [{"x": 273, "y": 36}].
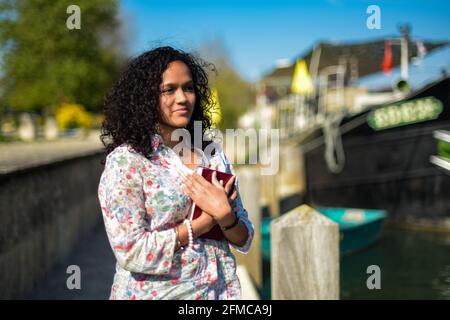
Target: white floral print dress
[{"x": 142, "y": 201}]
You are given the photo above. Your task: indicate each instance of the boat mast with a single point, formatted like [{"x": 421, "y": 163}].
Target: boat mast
[{"x": 404, "y": 30}]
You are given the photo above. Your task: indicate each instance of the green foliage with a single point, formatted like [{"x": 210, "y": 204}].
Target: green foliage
[
  {"x": 45, "y": 63},
  {"x": 235, "y": 95}
]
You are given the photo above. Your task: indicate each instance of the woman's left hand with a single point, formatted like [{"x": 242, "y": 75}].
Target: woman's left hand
[{"x": 210, "y": 197}]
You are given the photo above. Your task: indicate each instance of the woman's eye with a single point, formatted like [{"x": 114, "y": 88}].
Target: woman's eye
[
  {"x": 169, "y": 90},
  {"x": 189, "y": 89}
]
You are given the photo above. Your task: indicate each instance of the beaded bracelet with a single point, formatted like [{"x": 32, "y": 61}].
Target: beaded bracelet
[{"x": 189, "y": 228}]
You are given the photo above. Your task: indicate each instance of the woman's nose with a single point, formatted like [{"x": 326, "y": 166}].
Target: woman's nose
[{"x": 181, "y": 96}]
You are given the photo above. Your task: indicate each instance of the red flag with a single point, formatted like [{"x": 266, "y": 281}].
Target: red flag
[{"x": 386, "y": 66}]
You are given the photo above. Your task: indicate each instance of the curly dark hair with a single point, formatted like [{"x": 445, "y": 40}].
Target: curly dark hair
[{"x": 131, "y": 108}]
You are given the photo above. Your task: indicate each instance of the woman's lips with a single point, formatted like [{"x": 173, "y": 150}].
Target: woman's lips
[{"x": 181, "y": 111}]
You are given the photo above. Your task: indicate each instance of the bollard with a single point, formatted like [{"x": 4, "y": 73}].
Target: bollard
[
  {"x": 249, "y": 182},
  {"x": 304, "y": 256}
]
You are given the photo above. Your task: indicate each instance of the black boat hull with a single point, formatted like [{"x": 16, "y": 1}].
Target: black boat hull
[{"x": 388, "y": 169}]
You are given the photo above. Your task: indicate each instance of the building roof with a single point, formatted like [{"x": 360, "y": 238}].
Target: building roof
[{"x": 368, "y": 56}]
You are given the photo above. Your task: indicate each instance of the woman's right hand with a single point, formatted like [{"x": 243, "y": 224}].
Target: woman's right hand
[
  {"x": 201, "y": 225},
  {"x": 229, "y": 187}
]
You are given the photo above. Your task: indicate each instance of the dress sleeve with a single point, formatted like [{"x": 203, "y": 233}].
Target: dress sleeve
[
  {"x": 241, "y": 212},
  {"x": 126, "y": 221}
]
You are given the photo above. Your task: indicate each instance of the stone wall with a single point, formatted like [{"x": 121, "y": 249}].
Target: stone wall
[{"x": 44, "y": 211}]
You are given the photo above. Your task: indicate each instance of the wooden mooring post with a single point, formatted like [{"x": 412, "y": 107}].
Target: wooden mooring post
[
  {"x": 249, "y": 189},
  {"x": 304, "y": 256}
]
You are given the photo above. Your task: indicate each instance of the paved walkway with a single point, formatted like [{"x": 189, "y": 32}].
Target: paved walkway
[
  {"x": 20, "y": 155},
  {"x": 97, "y": 262}
]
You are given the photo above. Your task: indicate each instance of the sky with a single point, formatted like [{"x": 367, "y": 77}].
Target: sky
[{"x": 258, "y": 33}]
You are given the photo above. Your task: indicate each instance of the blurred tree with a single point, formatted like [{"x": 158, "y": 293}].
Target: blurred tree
[
  {"x": 44, "y": 63},
  {"x": 236, "y": 95}
]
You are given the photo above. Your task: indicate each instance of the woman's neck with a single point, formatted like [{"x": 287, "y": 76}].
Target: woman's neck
[{"x": 166, "y": 134}]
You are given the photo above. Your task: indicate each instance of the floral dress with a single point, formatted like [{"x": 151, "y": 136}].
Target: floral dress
[{"x": 142, "y": 200}]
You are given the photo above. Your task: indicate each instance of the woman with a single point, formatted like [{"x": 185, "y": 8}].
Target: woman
[{"x": 158, "y": 250}]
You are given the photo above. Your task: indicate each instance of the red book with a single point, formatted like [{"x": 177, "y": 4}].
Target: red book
[{"x": 215, "y": 233}]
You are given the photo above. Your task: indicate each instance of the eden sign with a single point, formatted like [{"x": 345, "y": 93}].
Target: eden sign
[{"x": 404, "y": 113}]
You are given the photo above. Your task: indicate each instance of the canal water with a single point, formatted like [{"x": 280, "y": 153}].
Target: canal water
[{"x": 413, "y": 265}]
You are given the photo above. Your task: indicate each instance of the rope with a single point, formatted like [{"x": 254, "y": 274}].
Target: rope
[{"x": 334, "y": 150}]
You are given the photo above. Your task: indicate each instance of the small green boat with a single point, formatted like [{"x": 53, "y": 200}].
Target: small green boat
[{"x": 359, "y": 228}]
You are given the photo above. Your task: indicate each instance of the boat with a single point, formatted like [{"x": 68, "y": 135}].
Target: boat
[
  {"x": 390, "y": 160},
  {"x": 366, "y": 145},
  {"x": 359, "y": 228}
]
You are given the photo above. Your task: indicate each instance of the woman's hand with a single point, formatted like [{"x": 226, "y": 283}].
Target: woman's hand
[
  {"x": 230, "y": 190},
  {"x": 229, "y": 187},
  {"x": 210, "y": 197},
  {"x": 205, "y": 222}
]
